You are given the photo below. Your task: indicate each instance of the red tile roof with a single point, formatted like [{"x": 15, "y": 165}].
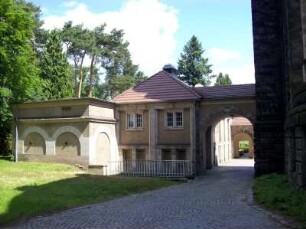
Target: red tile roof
[
  {"x": 240, "y": 121},
  {"x": 224, "y": 92},
  {"x": 164, "y": 87},
  {"x": 161, "y": 87}
]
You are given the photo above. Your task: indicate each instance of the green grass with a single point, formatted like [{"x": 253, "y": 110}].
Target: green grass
[
  {"x": 28, "y": 189},
  {"x": 274, "y": 192}
]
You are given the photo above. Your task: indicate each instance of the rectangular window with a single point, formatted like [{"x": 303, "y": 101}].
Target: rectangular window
[
  {"x": 179, "y": 119},
  {"x": 139, "y": 120},
  {"x": 130, "y": 121},
  {"x": 174, "y": 119},
  {"x": 140, "y": 154},
  {"x": 181, "y": 154},
  {"x": 166, "y": 155},
  {"x": 134, "y": 121},
  {"x": 169, "y": 119}
]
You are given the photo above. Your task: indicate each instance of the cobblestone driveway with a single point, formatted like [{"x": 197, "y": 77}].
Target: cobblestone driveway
[{"x": 220, "y": 199}]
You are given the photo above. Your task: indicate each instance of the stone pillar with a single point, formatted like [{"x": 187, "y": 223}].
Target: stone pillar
[
  {"x": 133, "y": 154},
  {"x": 153, "y": 130},
  {"x": 50, "y": 147},
  {"x": 173, "y": 154},
  {"x": 193, "y": 125},
  {"x": 269, "y": 74}
]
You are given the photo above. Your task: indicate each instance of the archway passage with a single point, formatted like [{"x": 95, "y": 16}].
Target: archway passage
[
  {"x": 34, "y": 143},
  {"x": 102, "y": 149},
  {"x": 67, "y": 144},
  {"x": 222, "y": 140},
  {"x": 240, "y": 150}
]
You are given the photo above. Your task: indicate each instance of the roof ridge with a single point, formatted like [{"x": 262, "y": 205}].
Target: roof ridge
[
  {"x": 184, "y": 85},
  {"x": 244, "y": 84},
  {"x": 138, "y": 84}
]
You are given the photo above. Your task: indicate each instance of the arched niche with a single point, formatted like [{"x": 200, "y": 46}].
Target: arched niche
[
  {"x": 34, "y": 143},
  {"x": 67, "y": 144}
]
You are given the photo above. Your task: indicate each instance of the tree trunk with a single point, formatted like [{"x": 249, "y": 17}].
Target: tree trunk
[
  {"x": 91, "y": 76},
  {"x": 81, "y": 76}
]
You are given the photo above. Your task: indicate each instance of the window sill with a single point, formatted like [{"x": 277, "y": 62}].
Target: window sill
[
  {"x": 173, "y": 128},
  {"x": 134, "y": 129}
]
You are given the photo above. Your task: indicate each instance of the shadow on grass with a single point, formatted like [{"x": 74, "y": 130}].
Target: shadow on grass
[
  {"x": 6, "y": 158},
  {"x": 72, "y": 192}
]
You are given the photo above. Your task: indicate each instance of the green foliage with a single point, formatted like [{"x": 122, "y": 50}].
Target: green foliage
[
  {"x": 107, "y": 52},
  {"x": 244, "y": 144},
  {"x": 18, "y": 72},
  {"x": 55, "y": 69},
  {"x": 223, "y": 80},
  {"x": 193, "y": 68},
  {"x": 29, "y": 188},
  {"x": 275, "y": 192},
  {"x": 19, "y": 79}
]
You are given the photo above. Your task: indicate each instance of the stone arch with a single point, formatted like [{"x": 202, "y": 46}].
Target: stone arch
[
  {"x": 242, "y": 137},
  {"x": 113, "y": 145},
  {"x": 67, "y": 144},
  {"x": 37, "y": 137},
  {"x": 78, "y": 144},
  {"x": 210, "y": 119},
  {"x": 102, "y": 149},
  {"x": 222, "y": 112},
  {"x": 36, "y": 129},
  {"x": 34, "y": 143}
]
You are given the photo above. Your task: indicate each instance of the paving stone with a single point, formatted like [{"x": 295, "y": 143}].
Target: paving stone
[{"x": 220, "y": 199}]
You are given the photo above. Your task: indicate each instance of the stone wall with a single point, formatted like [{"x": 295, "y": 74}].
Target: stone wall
[
  {"x": 74, "y": 131},
  {"x": 279, "y": 30},
  {"x": 269, "y": 74},
  {"x": 295, "y": 97}
]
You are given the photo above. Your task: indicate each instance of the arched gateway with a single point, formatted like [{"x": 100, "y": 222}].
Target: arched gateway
[
  {"x": 161, "y": 120},
  {"x": 162, "y": 108}
]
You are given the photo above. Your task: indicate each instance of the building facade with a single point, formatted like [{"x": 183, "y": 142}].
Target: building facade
[{"x": 160, "y": 119}]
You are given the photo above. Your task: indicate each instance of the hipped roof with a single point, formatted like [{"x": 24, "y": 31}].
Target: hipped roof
[
  {"x": 165, "y": 87},
  {"x": 161, "y": 87}
]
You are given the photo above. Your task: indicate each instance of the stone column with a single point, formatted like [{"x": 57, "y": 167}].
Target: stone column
[
  {"x": 173, "y": 154},
  {"x": 153, "y": 130},
  {"x": 50, "y": 147},
  {"x": 192, "y": 134},
  {"x": 269, "y": 73}
]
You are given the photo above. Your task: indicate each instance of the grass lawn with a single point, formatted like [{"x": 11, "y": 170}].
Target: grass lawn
[
  {"x": 28, "y": 188},
  {"x": 274, "y": 192}
]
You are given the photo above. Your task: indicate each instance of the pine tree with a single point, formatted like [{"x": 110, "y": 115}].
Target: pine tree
[
  {"x": 55, "y": 69},
  {"x": 223, "y": 80},
  {"x": 193, "y": 68}
]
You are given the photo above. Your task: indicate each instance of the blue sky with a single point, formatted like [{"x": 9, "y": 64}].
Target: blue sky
[{"x": 158, "y": 29}]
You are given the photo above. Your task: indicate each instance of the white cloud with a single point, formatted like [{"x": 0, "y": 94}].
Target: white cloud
[
  {"x": 70, "y": 4},
  {"x": 149, "y": 27},
  {"x": 232, "y": 63},
  {"x": 219, "y": 55}
]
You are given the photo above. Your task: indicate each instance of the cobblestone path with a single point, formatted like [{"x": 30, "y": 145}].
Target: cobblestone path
[{"x": 220, "y": 199}]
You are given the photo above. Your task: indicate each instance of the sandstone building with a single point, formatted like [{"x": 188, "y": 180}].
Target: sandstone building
[
  {"x": 279, "y": 35},
  {"x": 160, "y": 119}
]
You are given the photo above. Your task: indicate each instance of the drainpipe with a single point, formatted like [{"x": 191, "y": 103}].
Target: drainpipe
[
  {"x": 16, "y": 140},
  {"x": 16, "y": 134}
]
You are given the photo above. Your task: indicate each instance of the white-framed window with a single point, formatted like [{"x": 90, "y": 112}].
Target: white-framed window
[
  {"x": 134, "y": 121},
  {"x": 174, "y": 119}
]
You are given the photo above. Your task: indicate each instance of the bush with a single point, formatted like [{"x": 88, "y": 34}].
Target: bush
[{"x": 275, "y": 192}]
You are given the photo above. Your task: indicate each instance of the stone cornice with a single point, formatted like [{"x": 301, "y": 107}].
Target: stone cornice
[{"x": 68, "y": 120}]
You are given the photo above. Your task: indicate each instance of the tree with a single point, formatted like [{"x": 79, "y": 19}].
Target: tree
[
  {"x": 223, "y": 80},
  {"x": 55, "y": 69},
  {"x": 78, "y": 42},
  {"x": 121, "y": 73},
  {"x": 193, "y": 68},
  {"x": 19, "y": 79}
]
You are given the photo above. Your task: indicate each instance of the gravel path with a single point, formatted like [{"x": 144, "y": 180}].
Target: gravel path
[{"x": 220, "y": 199}]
